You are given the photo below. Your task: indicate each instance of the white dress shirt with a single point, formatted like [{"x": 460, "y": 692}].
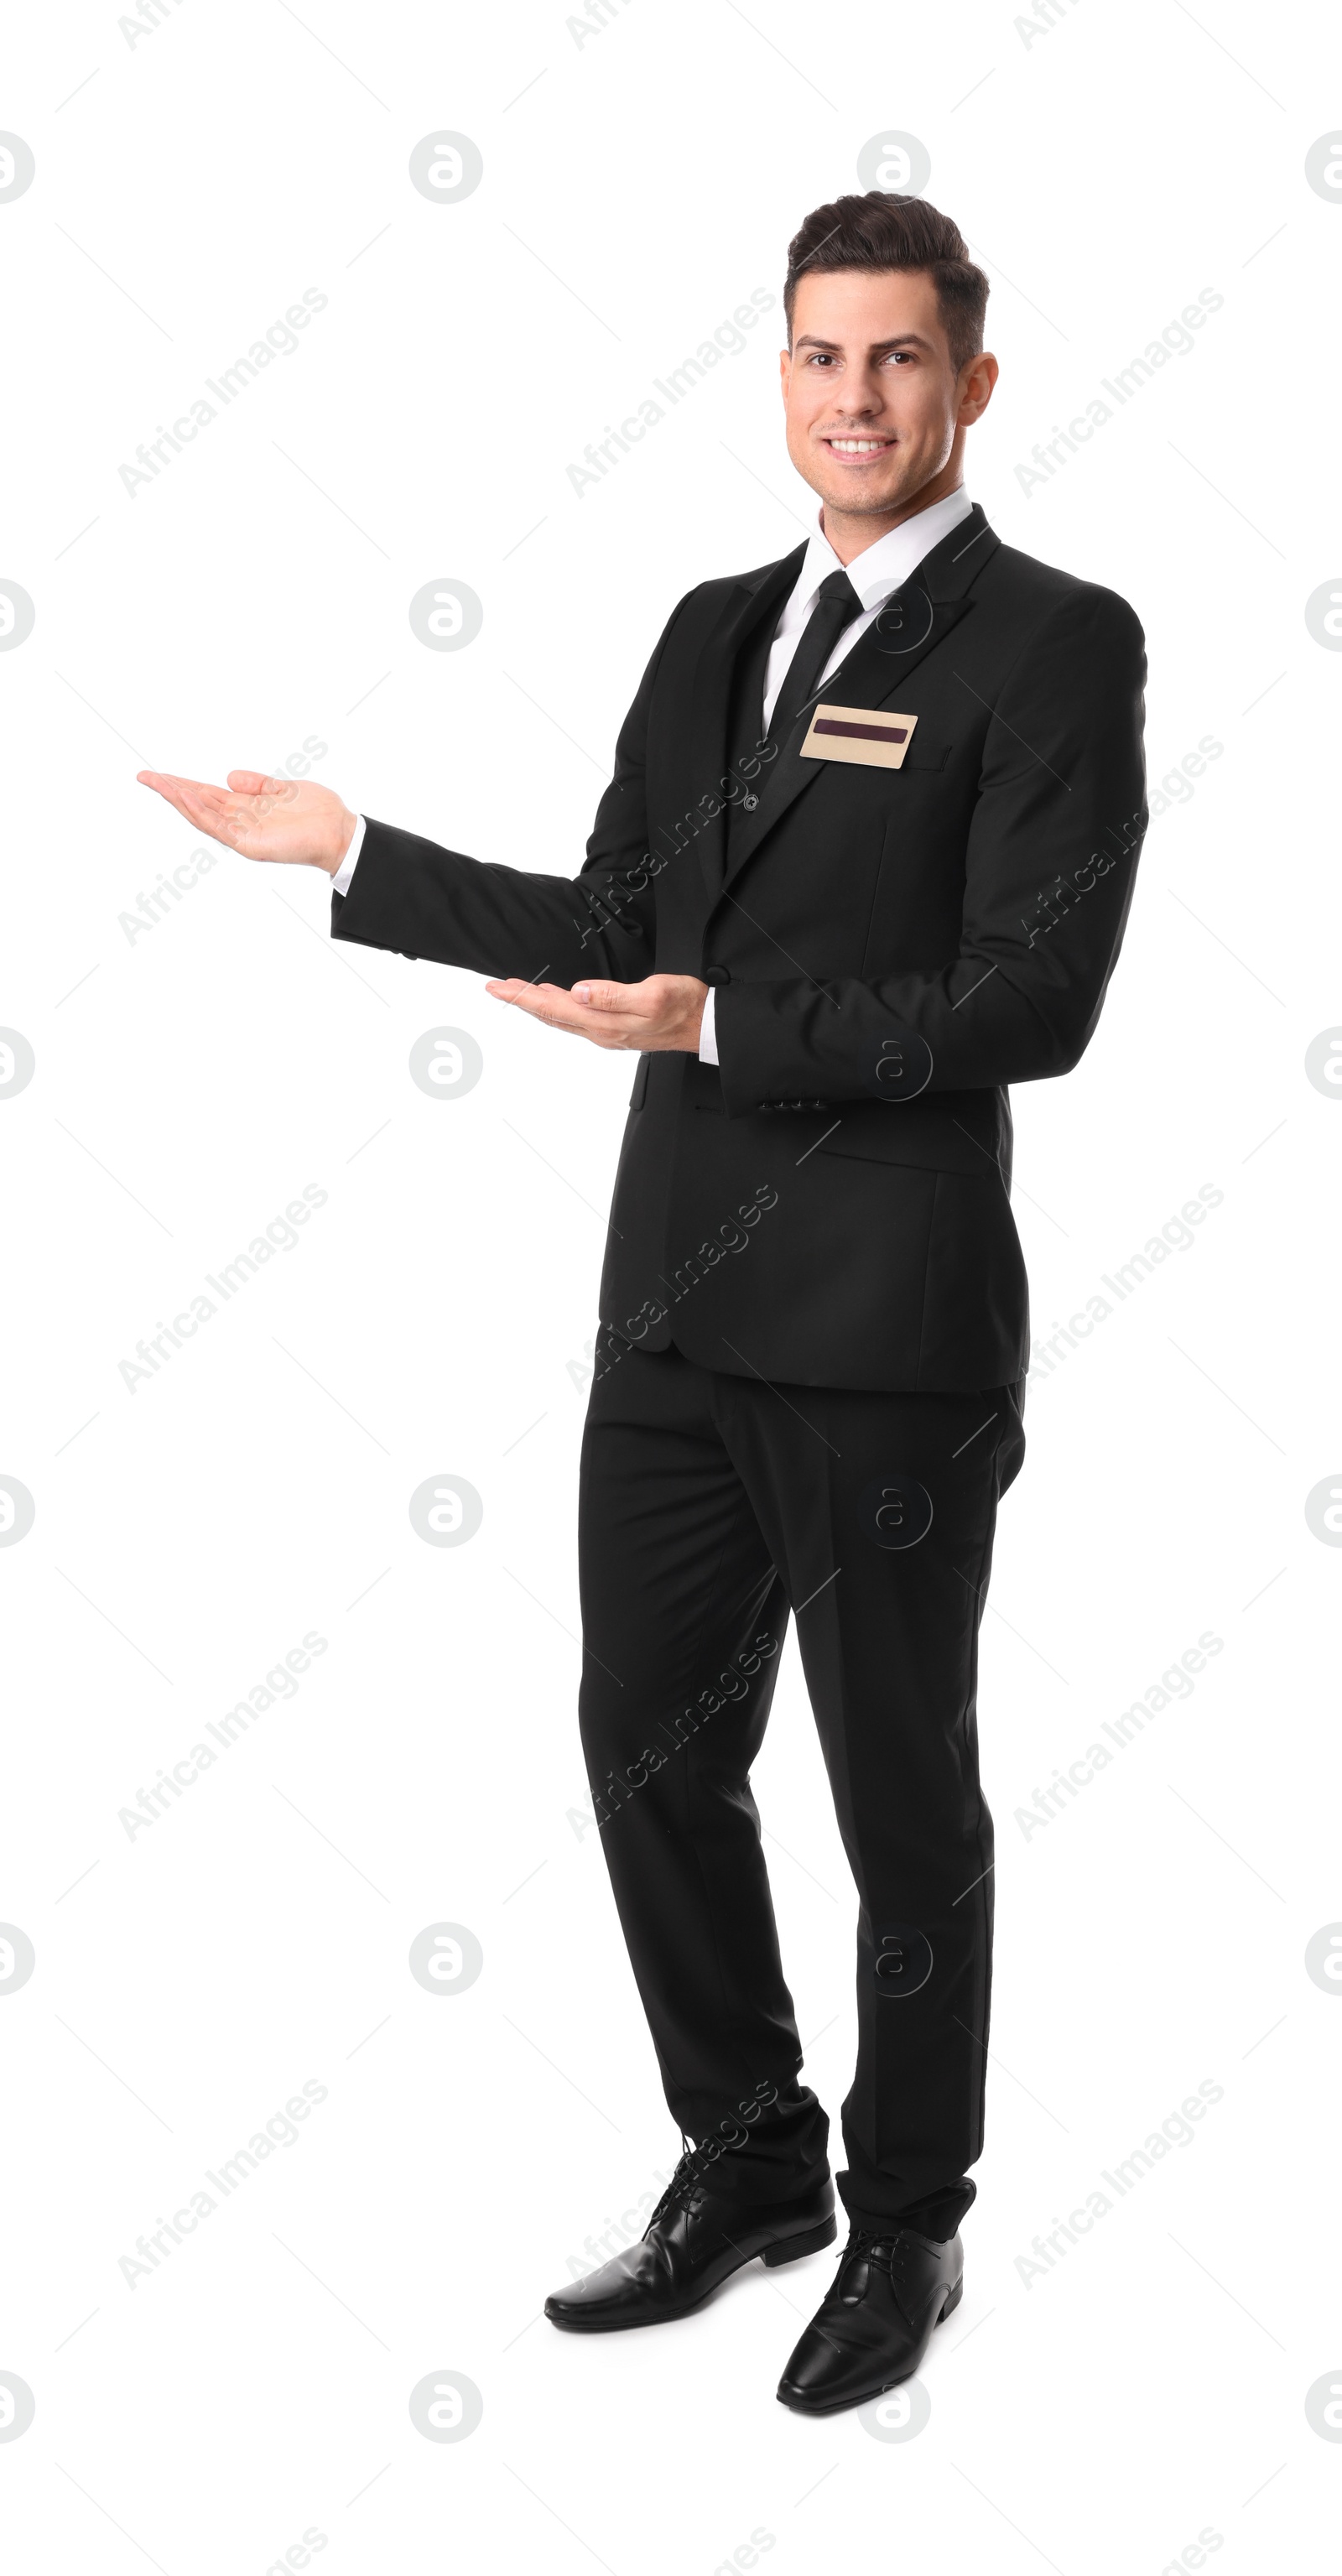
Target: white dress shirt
[
  {"x": 881, "y": 569},
  {"x": 340, "y": 881}
]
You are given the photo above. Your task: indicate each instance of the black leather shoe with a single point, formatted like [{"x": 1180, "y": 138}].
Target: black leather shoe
[
  {"x": 693, "y": 2241},
  {"x": 876, "y": 2323}
]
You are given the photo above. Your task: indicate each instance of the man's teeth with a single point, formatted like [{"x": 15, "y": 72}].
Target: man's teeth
[{"x": 858, "y": 446}]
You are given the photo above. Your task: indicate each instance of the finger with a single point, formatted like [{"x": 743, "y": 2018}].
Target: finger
[
  {"x": 214, "y": 813},
  {"x": 167, "y": 788},
  {"x": 607, "y": 997},
  {"x": 518, "y": 988},
  {"x": 550, "y": 1003},
  {"x": 206, "y": 797},
  {"x": 174, "y": 788},
  {"x": 542, "y": 1002},
  {"x": 208, "y": 808},
  {"x": 226, "y": 818},
  {"x": 254, "y": 782}
]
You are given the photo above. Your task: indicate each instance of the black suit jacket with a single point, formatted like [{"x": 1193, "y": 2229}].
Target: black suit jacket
[{"x": 891, "y": 949}]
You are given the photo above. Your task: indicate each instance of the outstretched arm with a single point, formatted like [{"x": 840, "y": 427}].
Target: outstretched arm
[
  {"x": 537, "y": 936},
  {"x": 289, "y": 820}
]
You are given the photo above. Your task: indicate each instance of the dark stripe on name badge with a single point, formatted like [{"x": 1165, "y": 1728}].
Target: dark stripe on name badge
[{"x": 862, "y": 732}]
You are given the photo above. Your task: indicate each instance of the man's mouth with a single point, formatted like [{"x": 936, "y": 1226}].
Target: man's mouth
[{"x": 857, "y": 446}]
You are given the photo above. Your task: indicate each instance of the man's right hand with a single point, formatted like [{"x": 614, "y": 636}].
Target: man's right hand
[{"x": 289, "y": 819}]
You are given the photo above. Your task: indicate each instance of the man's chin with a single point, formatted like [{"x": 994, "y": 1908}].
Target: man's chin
[{"x": 857, "y": 498}]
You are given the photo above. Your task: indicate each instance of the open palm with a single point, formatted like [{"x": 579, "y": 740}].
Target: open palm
[{"x": 288, "y": 819}]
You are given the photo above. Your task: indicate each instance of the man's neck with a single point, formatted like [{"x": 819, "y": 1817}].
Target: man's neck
[{"x": 850, "y": 532}]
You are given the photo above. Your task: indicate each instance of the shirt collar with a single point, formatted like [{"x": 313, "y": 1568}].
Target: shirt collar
[{"x": 882, "y": 567}]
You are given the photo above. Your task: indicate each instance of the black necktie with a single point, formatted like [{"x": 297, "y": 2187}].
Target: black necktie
[{"x": 837, "y": 604}]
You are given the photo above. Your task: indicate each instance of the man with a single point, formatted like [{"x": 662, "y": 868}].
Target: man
[{"x": 865, "y": 860}]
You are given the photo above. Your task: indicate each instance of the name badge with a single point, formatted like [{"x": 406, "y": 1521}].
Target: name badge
[{"x": 864, "y": 734}]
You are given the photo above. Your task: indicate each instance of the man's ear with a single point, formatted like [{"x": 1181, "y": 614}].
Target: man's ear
[{"x": 976, "y": 386}]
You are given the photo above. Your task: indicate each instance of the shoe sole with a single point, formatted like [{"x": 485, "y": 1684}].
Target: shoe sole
[
  {"x": 789, "y": 2249},
  {"x": 863, "y": 2396}
]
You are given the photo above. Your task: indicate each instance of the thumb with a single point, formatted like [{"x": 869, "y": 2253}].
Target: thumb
[
  {"x": 253, "y": 782},
  {"x": 601, "y": 997}
]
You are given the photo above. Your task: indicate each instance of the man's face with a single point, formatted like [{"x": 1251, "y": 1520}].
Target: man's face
[{"x": 872, "y": 400}]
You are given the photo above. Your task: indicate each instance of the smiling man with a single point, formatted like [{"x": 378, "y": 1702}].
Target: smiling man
[{"x": 865, "y": 860}]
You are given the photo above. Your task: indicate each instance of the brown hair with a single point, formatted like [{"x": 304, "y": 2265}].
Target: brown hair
[{"x": 883, "y": 232}]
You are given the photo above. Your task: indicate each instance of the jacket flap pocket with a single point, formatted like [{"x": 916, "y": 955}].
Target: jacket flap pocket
[{"x": 957, "y": 1134}]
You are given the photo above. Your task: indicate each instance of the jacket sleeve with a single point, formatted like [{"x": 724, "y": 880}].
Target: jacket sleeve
[
  {"x": 1052, "y": 851},
  {"x": 411, "y": 895}
]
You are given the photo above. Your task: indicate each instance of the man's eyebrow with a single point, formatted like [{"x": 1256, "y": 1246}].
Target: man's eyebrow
[{"x": 897, "y": 340}]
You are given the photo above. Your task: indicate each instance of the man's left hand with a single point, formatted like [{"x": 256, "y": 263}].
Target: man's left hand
[{"x": 663, "y": 1012}]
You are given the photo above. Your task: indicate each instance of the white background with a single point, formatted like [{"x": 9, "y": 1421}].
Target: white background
[{"x": 434, "y": 1314}]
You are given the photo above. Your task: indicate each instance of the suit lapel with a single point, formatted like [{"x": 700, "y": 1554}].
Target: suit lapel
[
  {"x": 757, "y": 597},
  {"x": 910, "y": 626}
]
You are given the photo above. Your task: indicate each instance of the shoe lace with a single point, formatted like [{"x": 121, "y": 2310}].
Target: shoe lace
[
  {"x": 876, "y": 2245},
  {"x": 685, "y": 2181}
]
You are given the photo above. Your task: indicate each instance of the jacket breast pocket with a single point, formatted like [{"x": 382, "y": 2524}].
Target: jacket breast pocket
[{"x": 640, "y": 1091}]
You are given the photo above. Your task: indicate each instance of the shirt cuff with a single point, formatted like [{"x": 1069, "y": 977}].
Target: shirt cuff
[
  {"x": 340, "y": 882},
  {"x": 708, "y": 1036}
]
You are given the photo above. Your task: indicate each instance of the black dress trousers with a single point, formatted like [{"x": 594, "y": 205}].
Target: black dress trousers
[{"x": 712, "y": 1509}]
